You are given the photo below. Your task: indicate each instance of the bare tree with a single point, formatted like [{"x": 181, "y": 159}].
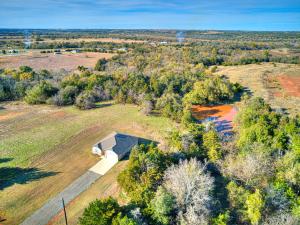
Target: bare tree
[
  {"x": 253, "y": 168},
  {"x": 191, "y": 187},
  {"x": 147, "y": 107},
  {"x": 281, "y": 219}
]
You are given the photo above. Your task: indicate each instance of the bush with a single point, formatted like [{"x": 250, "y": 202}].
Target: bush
[
  {"x": 85, "y": 100},
  {"x": 66, "y": 96},
  {"x": 100, "y": 212},
  {"x": 101, "y": 64},
  {"x": 7, "y": 88},
  {"x": 40, "y": 93}
]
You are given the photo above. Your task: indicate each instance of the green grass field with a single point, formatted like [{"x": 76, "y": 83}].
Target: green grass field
[{"x": 44, "y": 148}]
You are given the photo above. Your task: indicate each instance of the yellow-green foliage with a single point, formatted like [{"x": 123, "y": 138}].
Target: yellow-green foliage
[
  {"x": 211, "y": 90},
  {"x": 222, "y": 219},
  {"x": 255, "y": 204},
  {"x": 212, "y": 144}
]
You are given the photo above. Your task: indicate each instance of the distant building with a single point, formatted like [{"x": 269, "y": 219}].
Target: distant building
[
  {"x": 115, "y": 146},
  {"x": 12, "y": 51},
  {"x": 122, "y": 50},
  {"x": 163, "y": 42},
  {"x": 75, "y": 51}
]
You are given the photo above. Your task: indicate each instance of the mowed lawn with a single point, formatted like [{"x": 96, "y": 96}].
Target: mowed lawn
[{"x": 44, "y": 148}]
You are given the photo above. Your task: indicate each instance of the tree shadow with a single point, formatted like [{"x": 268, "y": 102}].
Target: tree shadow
[
  {"x": 219, "y": 192},
  {"x": 141, "y": 141},
  {"x": 17, "y": 175},
  {"x": 102, "y": 105},
  {"x": 4, "y": 160},
  {"x": 205, "y": 113}
]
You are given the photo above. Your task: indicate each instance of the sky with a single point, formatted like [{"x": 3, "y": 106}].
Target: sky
[{"x": 260, "y": 15}]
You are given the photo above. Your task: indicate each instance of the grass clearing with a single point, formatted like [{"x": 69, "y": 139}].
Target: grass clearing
[
  {"x": 49, "y": 61},
  {"x": 262, "y": 80},
  {"x": 47, "y": 139}
]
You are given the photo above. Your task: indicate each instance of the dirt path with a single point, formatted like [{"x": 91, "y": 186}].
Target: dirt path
[{"x": 54, "y": 206}]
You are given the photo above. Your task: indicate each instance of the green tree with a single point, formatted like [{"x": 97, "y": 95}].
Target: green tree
[
  {"x": 40, "y": 93},
  {"x": 222, "y": 219},
  {"x": 255, "y": 204},
  {"x": 163, "y": 206},
  {"x": 212, "y": 144},
  {"x": 123, "y": 220},
  {"x": 100, "y": 212},
  {"x": 144, "y": 173}
]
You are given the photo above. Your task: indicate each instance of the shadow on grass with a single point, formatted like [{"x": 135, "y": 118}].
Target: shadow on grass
[
  {"x": 17, "y": 175},
  {"x": 102, "y": 105}
]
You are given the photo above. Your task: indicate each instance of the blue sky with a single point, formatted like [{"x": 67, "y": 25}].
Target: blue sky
[{"x": 152, "y": 14}]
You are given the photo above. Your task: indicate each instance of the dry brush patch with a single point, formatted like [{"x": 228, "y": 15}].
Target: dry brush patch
[{"x": 261, "y": 81}]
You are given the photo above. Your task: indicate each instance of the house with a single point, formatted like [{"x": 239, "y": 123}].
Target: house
[
  {"x": 74, "y": 51},
  {"x": 115, "y": 146}
]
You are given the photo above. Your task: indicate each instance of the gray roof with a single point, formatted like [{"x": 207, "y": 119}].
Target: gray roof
[{"x": 119, "y": 143}]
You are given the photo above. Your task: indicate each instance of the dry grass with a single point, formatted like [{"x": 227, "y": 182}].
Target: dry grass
[
  {"x": 104, "y": 187},
  {"x": 67, "y": 61},
  {"x": 105, "y": 40},
  {"x": 54, "y": 139},
  {"x": 262, "y": 81}
]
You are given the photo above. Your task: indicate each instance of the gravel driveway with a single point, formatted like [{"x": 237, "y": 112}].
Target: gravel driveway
[{"x": 43, "y": 215}]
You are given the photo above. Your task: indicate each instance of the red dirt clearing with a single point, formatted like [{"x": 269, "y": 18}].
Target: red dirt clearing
[
  {"x": 10, "y": 115},
  {"x": 203, "y": 112},
  {"x": 290, "y": 84},
  {"x": 221, "y": 115}
]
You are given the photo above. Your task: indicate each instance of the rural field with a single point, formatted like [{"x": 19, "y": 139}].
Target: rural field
[
  {"x": 278, "y": 84},
  {"x": 45, "y": 148},
  {"x": 104, "y": 40},
  {"x": 49, "y": 61}
]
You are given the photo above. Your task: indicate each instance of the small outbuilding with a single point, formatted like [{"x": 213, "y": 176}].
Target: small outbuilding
[{"x": 115, "y": 146}]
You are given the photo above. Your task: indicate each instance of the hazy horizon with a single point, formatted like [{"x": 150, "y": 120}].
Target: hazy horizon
[{"x": 231, "y": 15}]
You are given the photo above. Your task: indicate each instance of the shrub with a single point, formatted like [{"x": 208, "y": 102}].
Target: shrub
[
  {"x": 100, "y": 212},
  {"x": 40, "y": 93},
  {"x": 85, "y": 100},
  {"x": 101, "y": 64},
  {"x": 7, "y": 88},
  {"x": 66, "y": 96}
]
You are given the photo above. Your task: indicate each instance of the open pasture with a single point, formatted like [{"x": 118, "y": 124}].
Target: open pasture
[
  {"x": 277, "y": 83},
  {"x": 50, "y": 61}
]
